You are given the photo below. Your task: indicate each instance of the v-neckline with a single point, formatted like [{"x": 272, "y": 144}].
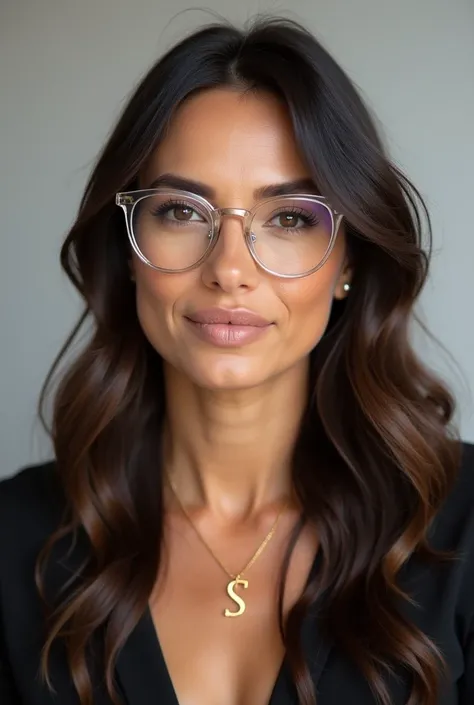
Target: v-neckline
[
  {"x": 144, "y": 677},
  {"x": 280, "y": 684}
]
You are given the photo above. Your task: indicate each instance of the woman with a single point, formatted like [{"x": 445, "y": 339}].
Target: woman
[{"x": 257, "y": 495}]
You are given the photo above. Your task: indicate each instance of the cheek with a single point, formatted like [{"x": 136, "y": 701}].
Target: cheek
[
  {"x": 308, "y": 302},
  {"x": 156, "y": 296}
]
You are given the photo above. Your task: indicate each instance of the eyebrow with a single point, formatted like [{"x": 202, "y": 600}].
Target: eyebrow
[{"x": 173, "y": 181}]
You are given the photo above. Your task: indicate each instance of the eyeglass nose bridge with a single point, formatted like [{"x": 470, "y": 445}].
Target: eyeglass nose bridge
[{"x": 242, "y": 213}]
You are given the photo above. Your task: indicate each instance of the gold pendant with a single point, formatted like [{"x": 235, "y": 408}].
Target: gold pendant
[{"x": 235, "y": 597}]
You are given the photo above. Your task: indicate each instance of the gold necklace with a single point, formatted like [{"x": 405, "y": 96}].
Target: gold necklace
[{"x": 235, "y": 579}]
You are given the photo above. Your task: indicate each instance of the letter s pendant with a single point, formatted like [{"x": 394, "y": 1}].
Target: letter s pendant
[{"x": 237, "y": 599}]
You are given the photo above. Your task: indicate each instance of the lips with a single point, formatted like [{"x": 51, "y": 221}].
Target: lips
[
  {"x": 228, "y": 328},
  {"x": 233, "y": 317}
]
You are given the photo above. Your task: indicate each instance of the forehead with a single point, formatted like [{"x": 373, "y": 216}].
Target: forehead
[{"x": 231, "y": 140}]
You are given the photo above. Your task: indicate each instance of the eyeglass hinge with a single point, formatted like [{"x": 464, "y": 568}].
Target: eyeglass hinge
[{"x": 122, "y": 200}]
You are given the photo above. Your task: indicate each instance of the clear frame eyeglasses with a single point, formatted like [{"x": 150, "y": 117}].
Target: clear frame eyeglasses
[{"x": 174, "y": 231}]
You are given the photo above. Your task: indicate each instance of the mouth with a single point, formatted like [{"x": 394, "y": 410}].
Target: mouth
[
  {"x": 231, "y": 317},
  {"x": 228, "y": 328}
]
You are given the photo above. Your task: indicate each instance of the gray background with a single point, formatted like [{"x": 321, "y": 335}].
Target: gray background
[{"x": 66, "y": 67}]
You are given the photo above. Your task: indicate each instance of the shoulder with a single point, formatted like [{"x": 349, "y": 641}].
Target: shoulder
[
  {"x": 456, "y": 516},
  {"x": 33, "y": 489},
  {"x": 453, "y": 531},
  {"x": 31, "y": 505},
  {"x": 31, "y": 508},
  {"x": 465, "y": 482}
]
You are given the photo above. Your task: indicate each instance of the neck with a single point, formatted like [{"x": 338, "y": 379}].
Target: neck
[{"x": 231, "y": 450}]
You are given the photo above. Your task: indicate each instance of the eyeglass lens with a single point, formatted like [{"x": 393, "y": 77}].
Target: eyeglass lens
[{"x": 290, "y": 235}]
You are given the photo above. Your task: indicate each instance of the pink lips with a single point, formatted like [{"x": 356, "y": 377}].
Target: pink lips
[{"x": 228, "y": 327}]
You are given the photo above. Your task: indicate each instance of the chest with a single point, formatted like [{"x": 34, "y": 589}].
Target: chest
[{"x": 212, "y": 658}]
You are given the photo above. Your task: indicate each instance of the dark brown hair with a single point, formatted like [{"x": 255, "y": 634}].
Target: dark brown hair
[{"x": 371, "y": 472}]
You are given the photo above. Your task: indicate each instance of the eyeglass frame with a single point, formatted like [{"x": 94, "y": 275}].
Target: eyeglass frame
[{"x": 127, "y": 200}]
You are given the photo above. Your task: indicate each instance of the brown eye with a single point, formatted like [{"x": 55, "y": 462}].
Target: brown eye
[
  {"x": 182, "y": 213},
  {"x": 288, "y": 220}
]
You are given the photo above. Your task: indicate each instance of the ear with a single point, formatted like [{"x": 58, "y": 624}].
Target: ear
[{"x": 343, "y": 284}]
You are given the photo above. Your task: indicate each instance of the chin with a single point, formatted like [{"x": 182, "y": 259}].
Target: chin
[{"x": 227, "y": 374}]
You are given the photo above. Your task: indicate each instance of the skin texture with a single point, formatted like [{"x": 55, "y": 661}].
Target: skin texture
[{"x": 232, "y": 413}]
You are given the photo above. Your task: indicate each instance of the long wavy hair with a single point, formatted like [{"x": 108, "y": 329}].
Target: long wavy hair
[{"x": 370, "y": 471}]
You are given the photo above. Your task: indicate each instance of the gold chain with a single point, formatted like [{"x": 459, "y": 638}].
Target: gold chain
[{"x": 255, "y": 555}]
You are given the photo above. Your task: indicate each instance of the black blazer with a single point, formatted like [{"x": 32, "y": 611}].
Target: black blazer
[{"x": 30, "y": 508}]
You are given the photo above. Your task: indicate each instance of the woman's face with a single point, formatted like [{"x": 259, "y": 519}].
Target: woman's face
[{"x": 234, "y": 144}]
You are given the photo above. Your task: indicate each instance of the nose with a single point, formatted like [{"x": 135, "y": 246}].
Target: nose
[{"x": 230, "y": 266}]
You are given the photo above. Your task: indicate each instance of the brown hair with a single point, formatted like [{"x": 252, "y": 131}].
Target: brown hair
[{"x": 370, "y": 473}]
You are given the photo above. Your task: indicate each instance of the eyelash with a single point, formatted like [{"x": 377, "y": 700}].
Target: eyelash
[
  {"x": 168, "y": 205},
  {"x": 307, "y": 219}
]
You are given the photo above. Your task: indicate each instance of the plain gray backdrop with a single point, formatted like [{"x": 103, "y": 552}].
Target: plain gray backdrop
[{"x": 66, "y": 68}]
